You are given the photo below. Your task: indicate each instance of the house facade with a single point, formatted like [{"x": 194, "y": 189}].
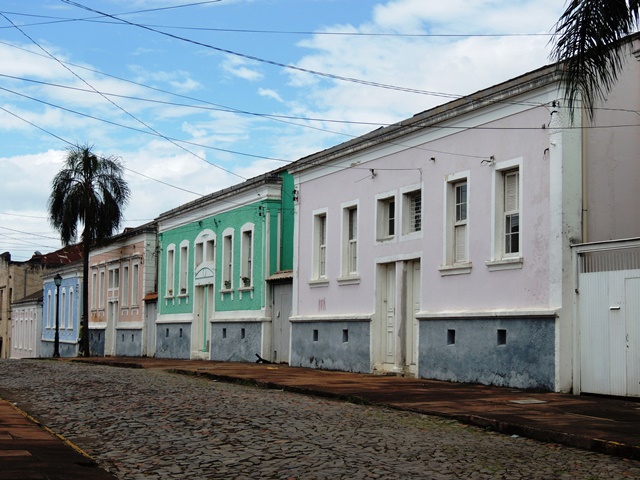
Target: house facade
[
  {"x": 224, "y": 260},
  {"x": 62, "y": 310},
  {"x": 26, "y": 326},
  {"x": 445, "y": 246},
  {"x": 122, "y": 275}
]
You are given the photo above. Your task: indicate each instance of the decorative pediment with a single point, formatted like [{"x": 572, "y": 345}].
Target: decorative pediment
[{"x": 205, "y": 273}]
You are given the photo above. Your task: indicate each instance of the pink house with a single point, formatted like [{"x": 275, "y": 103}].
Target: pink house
[
  {"x": 122, "y": 280},
  {"x": 445, "y": 246}
]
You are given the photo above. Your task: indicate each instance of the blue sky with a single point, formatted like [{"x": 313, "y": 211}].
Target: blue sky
[{"x": 197, "y": 96}]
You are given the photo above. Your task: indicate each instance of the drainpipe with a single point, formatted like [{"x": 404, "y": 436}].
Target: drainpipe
[{"x": 583, "y": 153}]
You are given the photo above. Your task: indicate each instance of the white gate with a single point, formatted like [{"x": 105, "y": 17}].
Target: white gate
[{"x": 608, "y": 318}]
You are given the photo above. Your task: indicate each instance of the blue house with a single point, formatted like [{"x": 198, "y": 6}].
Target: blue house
[{"x": 64, "y": 301}]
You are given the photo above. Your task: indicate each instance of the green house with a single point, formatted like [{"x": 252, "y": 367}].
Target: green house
[{"x": 225, "y": 273}]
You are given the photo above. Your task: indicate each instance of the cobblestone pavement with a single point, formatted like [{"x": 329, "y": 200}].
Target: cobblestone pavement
[{"x": 149, "y": 424}]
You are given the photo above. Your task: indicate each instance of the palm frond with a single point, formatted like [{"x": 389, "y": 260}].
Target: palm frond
[{"x": 588, "y": 47}]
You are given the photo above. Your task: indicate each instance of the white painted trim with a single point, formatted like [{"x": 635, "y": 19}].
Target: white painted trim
[
  {"x": 477, "y": 314},
  {"x": 365, "y": 317},
  {"x": 175, "y": 318}
]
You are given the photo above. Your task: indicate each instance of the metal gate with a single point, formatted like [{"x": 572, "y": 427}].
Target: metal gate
[{"x": 608, "y": 318}]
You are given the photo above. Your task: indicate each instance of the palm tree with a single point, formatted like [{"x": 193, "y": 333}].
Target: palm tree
[
  {"x": 588, "y": 42},
  {"x": 88, "y": 190}
]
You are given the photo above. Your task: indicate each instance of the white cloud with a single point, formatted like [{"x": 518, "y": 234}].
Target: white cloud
[
  {"x": 269, "y": 93},
  {"x": 241, "y": 68}
]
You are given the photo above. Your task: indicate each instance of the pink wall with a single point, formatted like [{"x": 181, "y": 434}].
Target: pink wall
[{"x": 525, "y": 288}]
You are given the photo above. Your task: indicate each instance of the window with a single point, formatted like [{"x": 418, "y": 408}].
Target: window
[
  {"x": 49, "y": 309},
  {"x": 210, "y": 250},
  {"x": 183, "y": 268},
  {"x": 114, "y": 283},
  {"x": 511, "y": 213},
  {"x": 460, "y": 251},
  {"x": 386, "y": 218},
  {"x": 320, "y": 246},
  {"x": 124, "y": 294},
  {"x": 62, "y": 321},
  {"x": 199, "y": 253},
  {"x": 94, "y": 289},
  {"x": 101, "y": 287},
  {"x": 246, "y": 272},
  {"x": 350, "y": 241},
  {"x": 506, "y": 245},
  {"x": 170, "y": 270},
  {"x": 135, "y": 284},
  {"x": 456, "y": 227},
  {"x": 412, "y": 209},
  {"x": 227, "y": 269},
  {"x": 70, "y": 320}
]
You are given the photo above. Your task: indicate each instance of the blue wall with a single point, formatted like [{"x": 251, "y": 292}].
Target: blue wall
[
  {"x": 323, "y": 345},
  {"x": 514, "y": 352},
  {"x": 129, "y": 342},
  {"x": 173, "y": 340},
  {"x": 236, "y": 341}
]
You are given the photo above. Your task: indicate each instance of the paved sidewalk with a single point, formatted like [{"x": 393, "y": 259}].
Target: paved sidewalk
[
  {"x": 612, "y": 426},
  {"x": 29, "y": 451}
]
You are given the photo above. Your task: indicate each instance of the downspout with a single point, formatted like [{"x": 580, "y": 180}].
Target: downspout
[{"x": 583, "y": 153}]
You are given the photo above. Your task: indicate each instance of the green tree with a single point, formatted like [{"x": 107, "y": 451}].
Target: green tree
[
  {"x": 587, "y": 40},
  {"x": 89, "y": 190}
]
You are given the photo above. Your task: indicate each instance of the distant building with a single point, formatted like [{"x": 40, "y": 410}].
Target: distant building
[{"x": 26, "y": 328}]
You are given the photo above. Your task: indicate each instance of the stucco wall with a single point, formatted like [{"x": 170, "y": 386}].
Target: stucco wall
[
  {"x": 525, "y": 360},
  {"x": 129, "y": 342},
  {"x": 173, "y": 340},
  {"x": 235, "y": 341},
  {"x": 331, "y": 345},
  {"x": 96, "y": 341}
]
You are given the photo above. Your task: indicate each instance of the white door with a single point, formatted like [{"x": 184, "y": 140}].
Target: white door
[
  {"x": 203, "y": 310},
  {"x": 281, "y": 334},
  {"x": 632, "y": 320},
  {"x": 413, "y": 307},
  {"x": 110, "y": 332}
]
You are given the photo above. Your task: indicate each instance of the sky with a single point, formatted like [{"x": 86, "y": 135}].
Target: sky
[{"x": 196, "y": 96}]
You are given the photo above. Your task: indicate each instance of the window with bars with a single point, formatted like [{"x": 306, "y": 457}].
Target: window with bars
[{"x": 412, "y": 209}]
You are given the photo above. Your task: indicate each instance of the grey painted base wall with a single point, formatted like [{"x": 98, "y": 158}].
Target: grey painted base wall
[
  {"x": 129, "y": 342},
  {"x": 513, "y": 352},
  {"x": 235, "y": 341},
  {"x": 332, "y": 345},
  {"x": 96, "y": 342},
  {"x": 173, "y": 340},
  {"x": 65, "y": 349}
]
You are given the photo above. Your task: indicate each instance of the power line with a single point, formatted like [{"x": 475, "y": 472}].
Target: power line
[{"x": 115, "y": 104}]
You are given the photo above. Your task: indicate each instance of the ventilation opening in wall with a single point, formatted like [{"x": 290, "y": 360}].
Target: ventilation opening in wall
[
  {"x": 167, "y": 334},
  {"x": 315, "y": 335},
  {"x": 502, "y": 336},
  {"x": 345, "y": 335},
  {"x": 132, "y": 338},
  {"x": 451, "y": 337},
  {"x": 224, "y": 333},
  {"x": 242, "y": 333},
  {"x": 180, "y": 333},
  {"x": 123, "y": 337}
]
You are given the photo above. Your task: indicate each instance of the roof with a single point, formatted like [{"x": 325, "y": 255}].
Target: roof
[
  {"x": 281, "y": 275},
  {"x": 34, "y": 297},
  {"x": 64, "y": 256}
]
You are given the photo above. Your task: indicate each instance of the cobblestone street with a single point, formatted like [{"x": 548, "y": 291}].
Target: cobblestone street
[{"x": 149, "y": 424}]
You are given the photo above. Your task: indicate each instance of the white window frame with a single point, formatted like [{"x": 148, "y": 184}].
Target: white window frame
[
  {"x": 500, "y": 259},
  {"x": 113, "y": 288},
  {"x": 94, "y": 288},
  {"x": 63, "y": 320},
  {"x": 385, "y": 222},
  {"x": 171, "y": 270},
  {"x": 227, "y": 259},
  {"x": 50, "y": 299},
  {"x": 71, "y": 301},
  {"x": 124, "y": 289},
  {"x": 101, "y": 289},
  {"x": 349, "y": 250},
  {"x": 319, "y": 273},
  {"x": 451, "y": 264},
  {"x": 183, "y": 269},
  {"x": 246, "y": 256},
  {"x": 409, "y": 228},
  {"x": 135, "y": 284}
]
